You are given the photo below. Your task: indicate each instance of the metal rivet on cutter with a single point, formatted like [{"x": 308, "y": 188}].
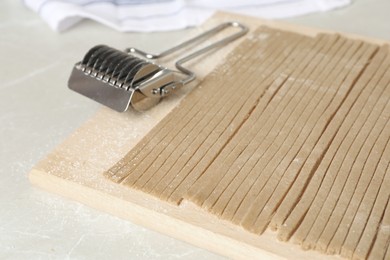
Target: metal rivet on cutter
[{"x": 118, "y": 79}]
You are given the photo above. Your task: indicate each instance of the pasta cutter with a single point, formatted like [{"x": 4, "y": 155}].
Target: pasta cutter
[{"x": 120, "y": 79}]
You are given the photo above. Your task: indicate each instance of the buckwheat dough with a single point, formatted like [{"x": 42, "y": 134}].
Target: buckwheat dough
[
  {"x": 205, "y": 154},
  {"x": 220, "y": 202},
  {"x": 215, "y": 167},
  {"x": 323, "y": 121},
  {"x": 360, "y": 177},
  {"x": 294, "y": 126},
  {"x": 356, "y": 141},
  {"x": 212, "y": 124},
  {"x": 209, "y": 202},
  {"x": 229, "y": 116},
  {"x": 290, "y": 133},
  {"x": 159, "y": 134},
  {"x": 176, "y": 130},
  {"x": 328, "y": 168},
  {"x": 338, "y": 202},
  {"x": 300, "y": 149},
  {"x": 377, "y": 213},
  {"x": 224, "y": 113},
  {"x": 371, "y": 203},
  {"x": 370, "y": 229},
  {"x": 121, "y": 170},
  {"x": 382, "y": 240},
  {"x": 305, "y": 188},
  {"x": 274, "y": 83},
  {"x": 154, "y": 161},
  {"x": 117, "y": 173},
  {"x": 278, "y": 82},
  {"x": 297, "y": 98},
  {"x": 295, "y": 137},
  {"x": 252, "y": 127},
  {"x": 200, "y": 191}
]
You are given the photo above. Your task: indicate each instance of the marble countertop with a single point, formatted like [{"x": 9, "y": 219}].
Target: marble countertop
[{"x": 37, "y": 112}]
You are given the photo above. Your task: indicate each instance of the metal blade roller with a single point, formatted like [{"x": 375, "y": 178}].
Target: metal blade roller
[{"x": 120, "y": 79}]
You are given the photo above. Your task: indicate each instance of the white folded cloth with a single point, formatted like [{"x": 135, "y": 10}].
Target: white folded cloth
[{"x": 163, "y": 15}]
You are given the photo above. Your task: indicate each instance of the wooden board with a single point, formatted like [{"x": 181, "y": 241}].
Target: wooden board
[{"x": 74, "y": 169}]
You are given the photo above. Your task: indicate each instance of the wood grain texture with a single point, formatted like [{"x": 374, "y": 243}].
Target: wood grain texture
[{"x": 218, "y": 176}]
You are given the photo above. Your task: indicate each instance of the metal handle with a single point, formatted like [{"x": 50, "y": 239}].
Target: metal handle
[{"x": 191, "y": 75}]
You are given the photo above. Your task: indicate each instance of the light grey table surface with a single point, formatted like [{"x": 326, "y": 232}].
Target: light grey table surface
[{"x": 37, "y": 112}]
